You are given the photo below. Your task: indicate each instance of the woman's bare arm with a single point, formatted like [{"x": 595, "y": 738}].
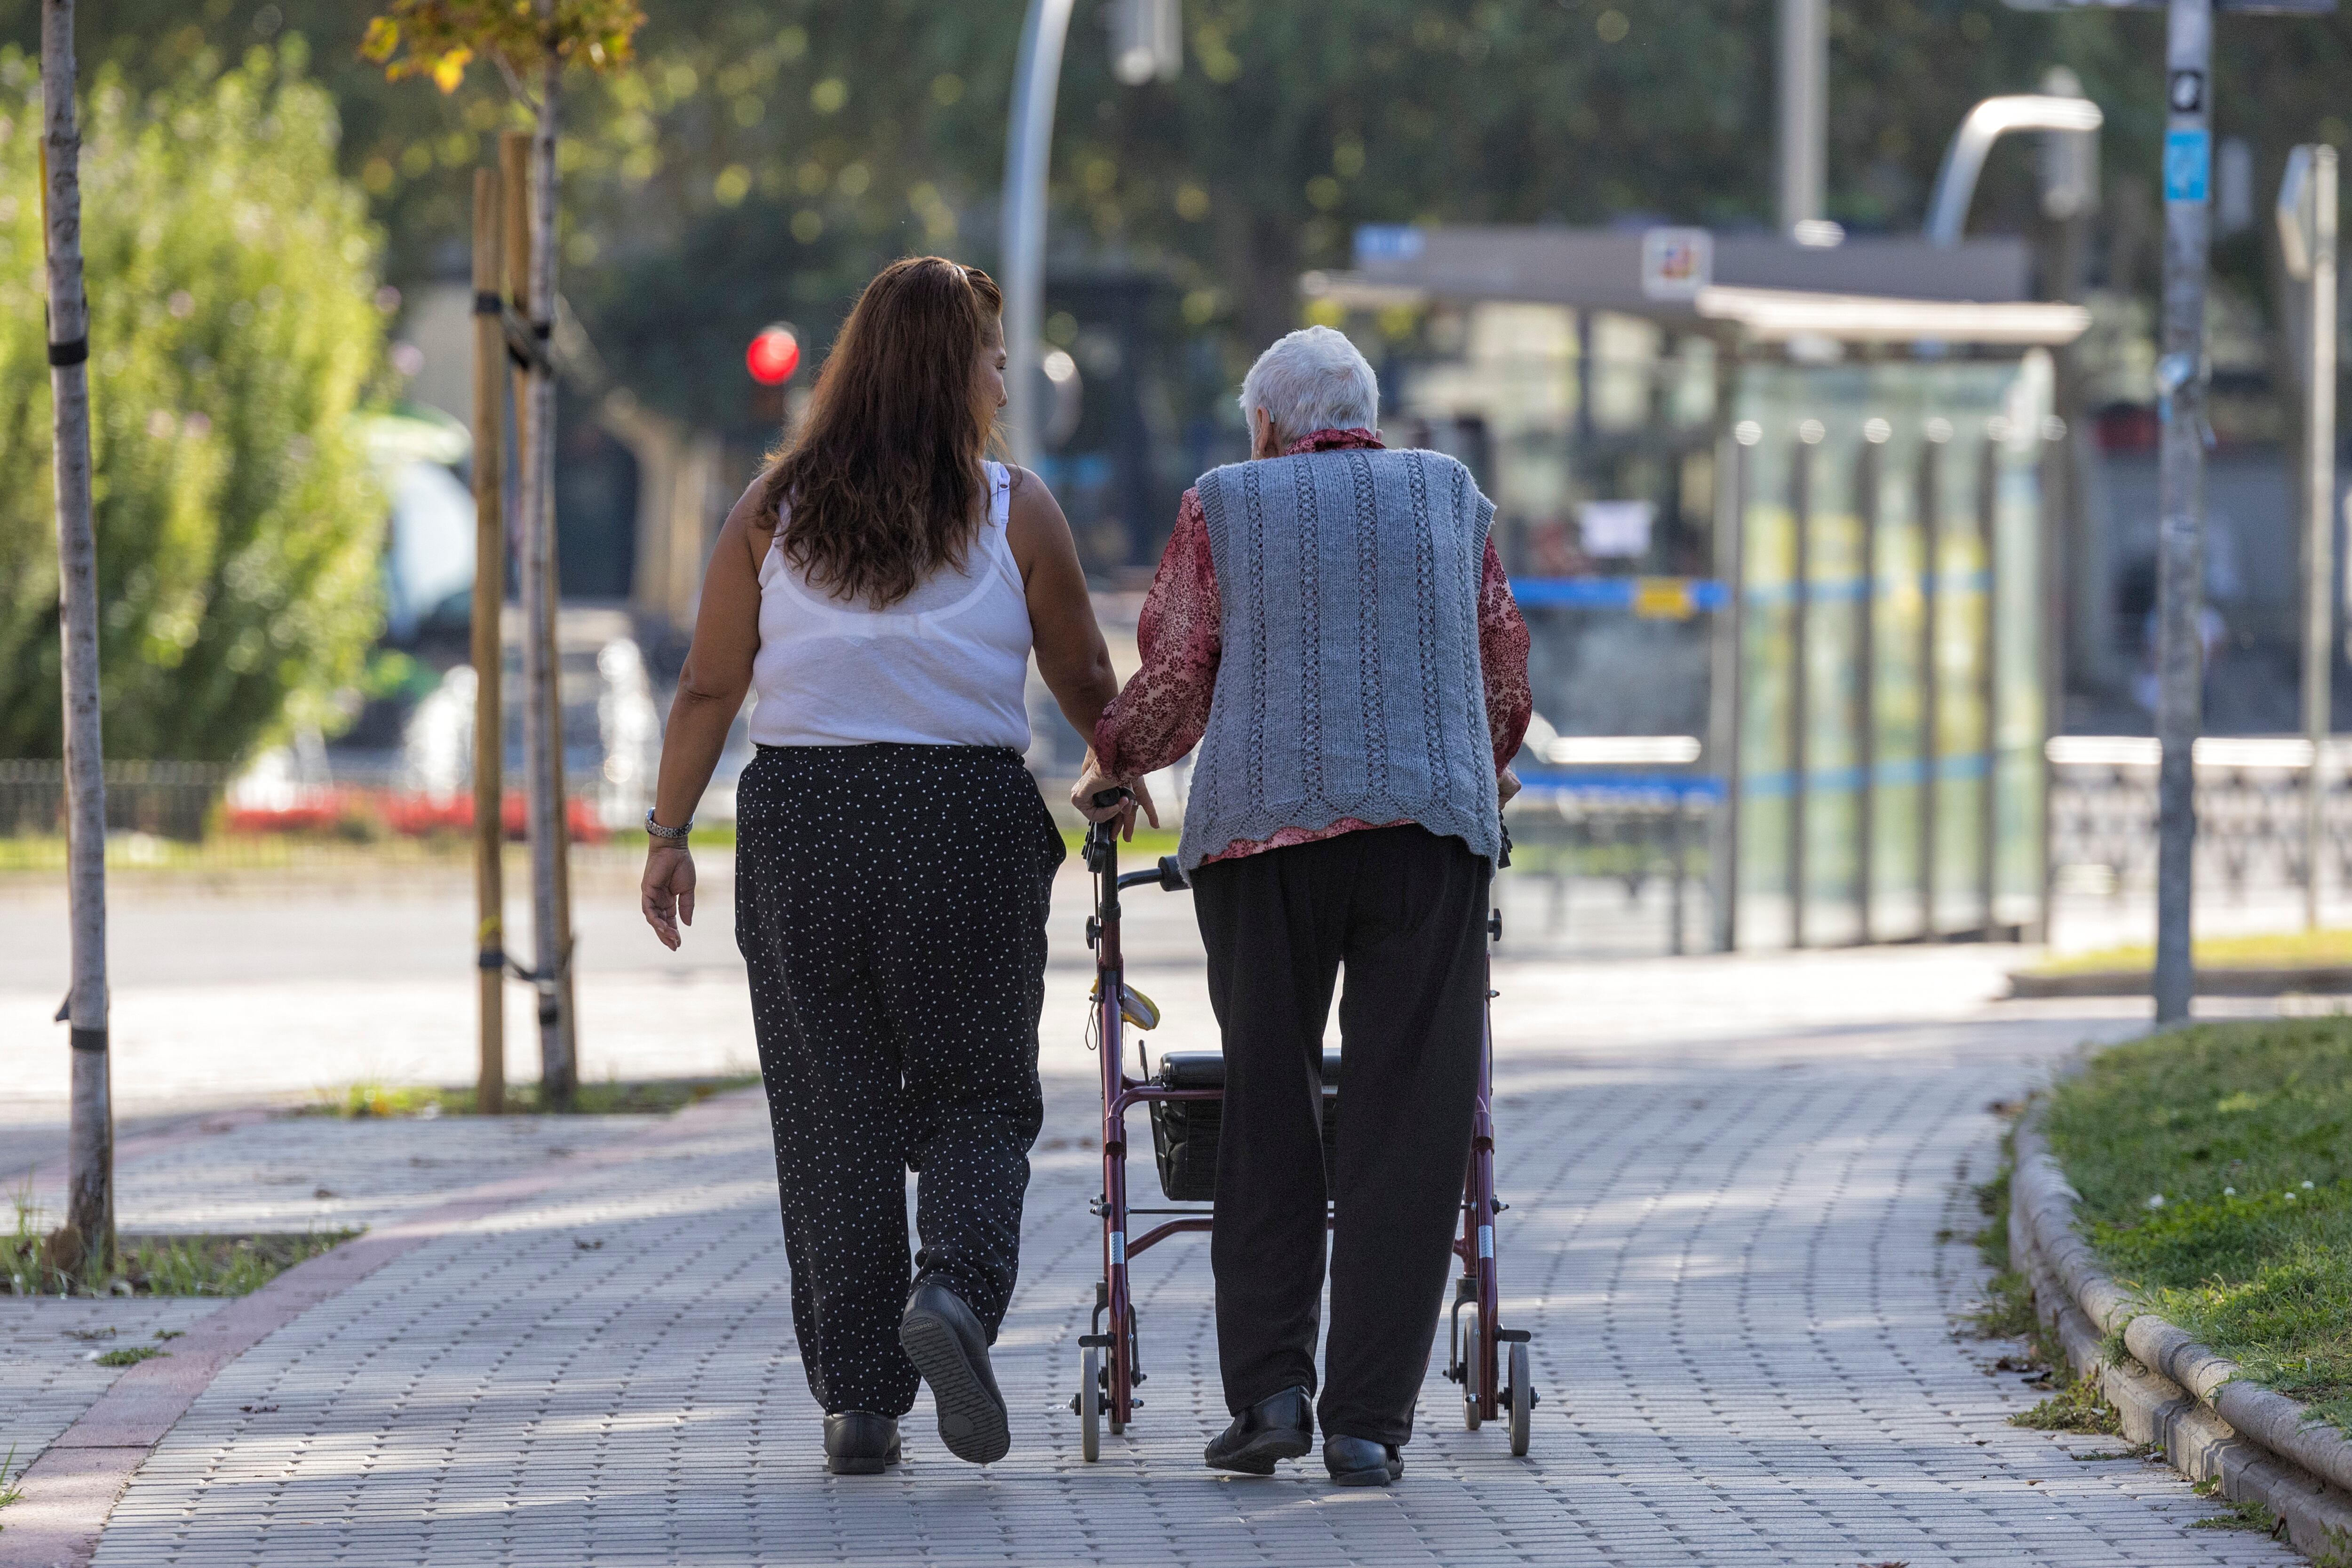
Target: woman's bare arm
[
  {"x": 710, "y": 694},
  {"x": 1071, "y": 654}
]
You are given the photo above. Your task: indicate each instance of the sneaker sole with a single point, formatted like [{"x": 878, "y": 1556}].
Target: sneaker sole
[{"x": 973, "y": 1420}]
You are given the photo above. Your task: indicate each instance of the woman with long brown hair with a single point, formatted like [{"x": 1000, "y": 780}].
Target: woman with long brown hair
[{"x": 882, "y": 585}]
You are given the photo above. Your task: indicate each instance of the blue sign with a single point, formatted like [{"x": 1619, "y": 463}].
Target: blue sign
[
  {"x": 2188, "y": 161},
  {"x": 1388, "y": 242}
]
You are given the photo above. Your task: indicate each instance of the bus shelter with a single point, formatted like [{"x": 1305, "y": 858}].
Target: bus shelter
[{"x": 1774, "y": 512}]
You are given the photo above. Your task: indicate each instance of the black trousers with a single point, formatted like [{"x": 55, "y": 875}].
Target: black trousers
[
  {"x": 890, "y": 904},
  {"x": 1405, "y": 911}
]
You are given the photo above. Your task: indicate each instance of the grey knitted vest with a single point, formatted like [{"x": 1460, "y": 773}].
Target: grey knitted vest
[{"x": 1350, "y": 683}]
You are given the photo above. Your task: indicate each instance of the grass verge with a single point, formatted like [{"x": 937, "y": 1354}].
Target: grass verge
[
  {"x": 2212, "y": 1164},
  {"x": 642, "y": 1096},
  {"x": 30, "y": 1264},
  {"x": 2279, "y": 950}
]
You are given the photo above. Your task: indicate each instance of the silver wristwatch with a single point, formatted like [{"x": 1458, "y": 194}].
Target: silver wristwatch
[{"x": 676, "y": 835}]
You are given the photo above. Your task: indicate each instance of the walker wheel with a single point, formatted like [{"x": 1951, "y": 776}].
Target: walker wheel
[
  {"x": 1090, "y": 1404},
  {"x": 1471, "y": 1364},
  {"x": 1523, "y": 1399}
]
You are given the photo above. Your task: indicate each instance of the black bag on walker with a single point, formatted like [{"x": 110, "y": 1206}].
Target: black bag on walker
[{"x": 1184, "y": 1132}]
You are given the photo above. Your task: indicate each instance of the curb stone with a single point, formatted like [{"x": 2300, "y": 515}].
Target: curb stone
[{"x": 2213, "y": 1425}]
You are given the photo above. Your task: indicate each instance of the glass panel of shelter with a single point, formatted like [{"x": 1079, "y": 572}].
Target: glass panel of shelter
[
  {"x": 1855, "y": 654},
  {"x": 1846, "y": 832}
]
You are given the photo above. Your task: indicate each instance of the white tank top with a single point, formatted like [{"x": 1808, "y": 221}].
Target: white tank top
[{"x": 947, "y": 666}]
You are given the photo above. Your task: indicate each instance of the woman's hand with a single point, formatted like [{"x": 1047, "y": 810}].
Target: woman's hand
[
  {"x": 1093, "y": 780},
  {"x": 667, "y": 893},
  {"x": 1506, "y": 784}
]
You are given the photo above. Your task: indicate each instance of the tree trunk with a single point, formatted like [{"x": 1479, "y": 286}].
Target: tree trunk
[
  {"x": 90, "y": 1161},
  {"x": 489, "y": 660},
  {"x": 558, "y": 1066}
]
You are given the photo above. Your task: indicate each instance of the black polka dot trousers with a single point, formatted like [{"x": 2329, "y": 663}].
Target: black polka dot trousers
[{"x": 890, "y": 904}]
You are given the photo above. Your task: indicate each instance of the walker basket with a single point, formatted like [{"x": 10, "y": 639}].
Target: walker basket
[{"x": 1184, "y": 1132}]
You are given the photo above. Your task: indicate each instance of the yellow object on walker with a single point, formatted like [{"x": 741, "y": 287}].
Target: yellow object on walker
[{"x": 1133, "y": 1006}]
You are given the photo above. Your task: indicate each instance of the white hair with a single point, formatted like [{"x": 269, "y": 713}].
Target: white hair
[{"x": 1312, "y": 379}]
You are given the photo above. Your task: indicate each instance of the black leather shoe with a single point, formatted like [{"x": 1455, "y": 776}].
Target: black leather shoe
[
  {"x": 1360, "y": 1462},
  {"x": 945, "y": 1340},
  {"x": 860, "y": 1442},
  {"x": 1281, "y": 1427}
]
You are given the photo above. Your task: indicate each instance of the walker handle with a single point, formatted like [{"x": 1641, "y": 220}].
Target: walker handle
[{"x": 1167, "y": 875}]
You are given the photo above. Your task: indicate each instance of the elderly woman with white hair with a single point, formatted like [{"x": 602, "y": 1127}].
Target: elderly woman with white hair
[{"x": 1331, "y": 625}]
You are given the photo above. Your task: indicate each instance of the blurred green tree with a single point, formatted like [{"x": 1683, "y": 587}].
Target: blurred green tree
[
  {"x": 236, "y": 326},
  {"x": 827, "y": 136}
]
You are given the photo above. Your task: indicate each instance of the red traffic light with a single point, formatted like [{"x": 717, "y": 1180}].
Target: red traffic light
[{"x": 772, "y": 357}]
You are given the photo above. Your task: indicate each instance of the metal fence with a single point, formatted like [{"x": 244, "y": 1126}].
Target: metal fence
[
  {"x": 2251, "y": 794},
  {"x": 1609, "y": 865},
  {"x": 212, "y": 816},
  {"x": 165, "y": 800},
  {"x": 1607, "y": 862}
]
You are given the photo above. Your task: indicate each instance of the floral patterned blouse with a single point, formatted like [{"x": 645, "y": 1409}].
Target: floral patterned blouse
[{"x": 1160, "y": 713}]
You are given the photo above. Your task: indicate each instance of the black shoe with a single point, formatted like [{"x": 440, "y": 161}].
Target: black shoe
[
  {"x": 1360, "y": 1462},
  {"x": 950, "y": 1348},
  {"x": 1282, "y": 1428},
  {"x": 860, "y": 1442}
]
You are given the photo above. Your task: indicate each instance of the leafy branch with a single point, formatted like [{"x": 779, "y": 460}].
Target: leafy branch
[{"x": 439, "y": 39}]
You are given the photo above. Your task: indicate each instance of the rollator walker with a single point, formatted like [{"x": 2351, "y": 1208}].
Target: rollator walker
[{"x": 1185, "y": 1098}]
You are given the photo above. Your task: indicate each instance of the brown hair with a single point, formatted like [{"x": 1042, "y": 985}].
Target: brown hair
[{"x": 883, "y": 476}]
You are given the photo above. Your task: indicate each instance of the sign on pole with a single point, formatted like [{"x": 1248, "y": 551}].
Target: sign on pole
[
  {"x": 2181, "y": 379},
  {"x": 2180, "y": 375}
]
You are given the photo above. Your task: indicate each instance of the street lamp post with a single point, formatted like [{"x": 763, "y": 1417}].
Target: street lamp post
[
  {"x": 1803, "y": 112},
  {"x": 2180, "y": 377},
  {"x": 1148, "y": 45},
  {"x": 1028, "y": 153},
  {"x": 1964, "y": 160}
]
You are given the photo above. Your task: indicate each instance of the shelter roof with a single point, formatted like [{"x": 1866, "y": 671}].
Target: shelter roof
[{"x": 1866, "y": 289}]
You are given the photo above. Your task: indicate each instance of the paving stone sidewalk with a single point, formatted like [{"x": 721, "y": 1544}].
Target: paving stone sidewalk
[
  {"x": 288, "y": 1174},
  {"x": 1723, "y": 1238}
]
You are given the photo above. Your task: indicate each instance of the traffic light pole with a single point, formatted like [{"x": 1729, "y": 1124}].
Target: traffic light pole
[{"x": 2180, "y": 549}]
